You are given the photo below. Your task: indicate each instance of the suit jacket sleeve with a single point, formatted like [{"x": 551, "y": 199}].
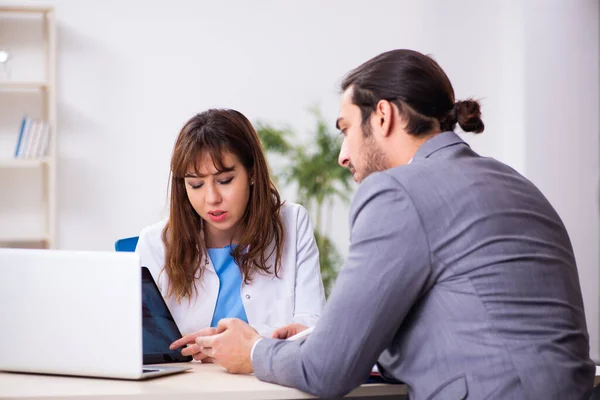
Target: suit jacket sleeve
[{"x": 386, "y": 272}]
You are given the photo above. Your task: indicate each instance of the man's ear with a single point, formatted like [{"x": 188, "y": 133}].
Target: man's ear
[{"x": 384, "y": 117}]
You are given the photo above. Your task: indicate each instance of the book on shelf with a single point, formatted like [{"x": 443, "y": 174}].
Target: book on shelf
[{"x": 33, "y": 139}]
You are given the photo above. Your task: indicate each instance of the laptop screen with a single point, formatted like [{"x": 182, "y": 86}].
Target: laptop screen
[{"x": 159, "y": 327}]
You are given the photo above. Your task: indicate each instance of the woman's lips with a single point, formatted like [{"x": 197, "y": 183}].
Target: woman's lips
[{"x": 217, "y": 216}]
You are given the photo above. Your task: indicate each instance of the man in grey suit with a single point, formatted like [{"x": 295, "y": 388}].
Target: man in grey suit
[{"x": 460, "y": 279}]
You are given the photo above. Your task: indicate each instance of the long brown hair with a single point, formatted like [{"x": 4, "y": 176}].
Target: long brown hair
[{"x": 212, "y": 133}]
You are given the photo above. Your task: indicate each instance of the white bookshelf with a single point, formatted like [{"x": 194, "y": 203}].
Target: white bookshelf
[
  {"x": 24, "y": 238},
  {"x": 23, "y": 86},
  {"x": 11, "y": 163},
  {"x": 18, "y": 9},
  {"x": 27, "y": 233}
]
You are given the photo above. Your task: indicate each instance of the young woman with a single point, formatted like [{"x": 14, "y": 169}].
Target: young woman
[{"x": 230, "y": 247}]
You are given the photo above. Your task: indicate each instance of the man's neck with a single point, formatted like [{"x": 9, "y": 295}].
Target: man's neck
[{"x": 409, "y": 144}]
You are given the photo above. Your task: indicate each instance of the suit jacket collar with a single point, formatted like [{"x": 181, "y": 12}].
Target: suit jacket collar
[{"x": 438, "y": 142}]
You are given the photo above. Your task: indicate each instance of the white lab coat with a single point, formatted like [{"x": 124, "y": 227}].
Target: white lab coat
[{"x": 296, "y": 296}]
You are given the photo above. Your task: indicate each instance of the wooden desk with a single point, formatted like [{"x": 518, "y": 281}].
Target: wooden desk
[{"x": 204, "y": 381}]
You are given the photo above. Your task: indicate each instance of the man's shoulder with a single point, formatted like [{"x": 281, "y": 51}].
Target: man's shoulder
[
  {"x": 392, "y": 179},
  {"x": 380, "y": 192},
  {"x": 411, "y": 183},
  {"x": 417, "y": 171}
]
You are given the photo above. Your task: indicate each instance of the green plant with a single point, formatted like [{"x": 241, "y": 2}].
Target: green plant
[{"x": 312, "y": 169}]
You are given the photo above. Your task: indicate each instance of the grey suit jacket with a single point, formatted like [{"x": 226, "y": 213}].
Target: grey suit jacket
[{"x": 460, "y": 281}]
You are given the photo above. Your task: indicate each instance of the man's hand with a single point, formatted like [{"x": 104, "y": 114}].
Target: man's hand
[
  {"x": 193, "y": 349},
  {"x": 289, "y": 330},
  {"x": 231, "y": 346}
]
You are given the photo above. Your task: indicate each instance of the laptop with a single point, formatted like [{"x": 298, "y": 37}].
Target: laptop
[
  {"x": 75, "y": 313},
  {"x": 159, "y": 327}
]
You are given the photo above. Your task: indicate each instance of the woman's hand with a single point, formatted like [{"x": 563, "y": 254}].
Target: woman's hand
[
  {"x": 288, "y": 331},
  {"x": 192, "y": 349}
]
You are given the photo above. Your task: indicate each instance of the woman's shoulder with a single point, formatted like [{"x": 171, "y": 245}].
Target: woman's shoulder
[
  {"x": 292, "y": 212},
  {"x": 153, "y": 233},
  {"x": 152, "y": 251},
  {"x": 295, "y": 217}
]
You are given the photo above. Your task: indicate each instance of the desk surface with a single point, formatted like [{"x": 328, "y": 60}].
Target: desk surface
[{"x": 203, "y": 381}]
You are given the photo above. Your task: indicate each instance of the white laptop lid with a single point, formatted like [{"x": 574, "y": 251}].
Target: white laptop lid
[{"x": 71, "y": 312}]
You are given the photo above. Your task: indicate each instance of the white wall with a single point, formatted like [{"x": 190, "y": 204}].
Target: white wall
[
  {"x": 132, "y": 72},
  {"x": 562, "y": 126}
]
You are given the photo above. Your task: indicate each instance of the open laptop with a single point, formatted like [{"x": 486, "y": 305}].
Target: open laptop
[
  {"x": 73, "y": 313},
  {"x": 159, "y": 327}
]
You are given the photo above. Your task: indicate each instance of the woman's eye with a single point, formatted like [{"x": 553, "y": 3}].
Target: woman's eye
[
  {"x": 198, "y": 186},
  {"x": 226, "y": 181}
]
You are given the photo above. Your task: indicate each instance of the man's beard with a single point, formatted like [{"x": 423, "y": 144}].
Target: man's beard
[{"x": 372, "y": 159}]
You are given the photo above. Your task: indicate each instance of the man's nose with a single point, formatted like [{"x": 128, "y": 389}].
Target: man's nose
[{"x": 344, "y": 156}]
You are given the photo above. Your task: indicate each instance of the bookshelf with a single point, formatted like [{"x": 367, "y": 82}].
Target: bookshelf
[
  {"x": 8, "y": 163},
  {"x": 30, "y": 35},
  {"x": 23, "y": 86}
]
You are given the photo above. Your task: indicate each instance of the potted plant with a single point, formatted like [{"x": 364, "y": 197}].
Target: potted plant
[{"x": 312, "y": 169}]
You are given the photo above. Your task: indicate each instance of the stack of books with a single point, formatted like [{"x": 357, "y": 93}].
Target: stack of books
[{"x": 33, "y": 139}]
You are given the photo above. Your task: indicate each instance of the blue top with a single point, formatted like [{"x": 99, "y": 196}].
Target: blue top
[{"x": 229, "y": 300}]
